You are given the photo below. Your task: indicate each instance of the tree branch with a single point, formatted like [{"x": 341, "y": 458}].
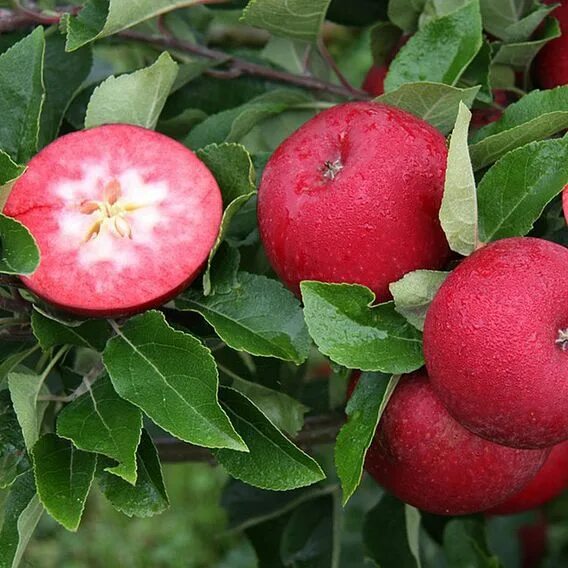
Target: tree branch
[
  {"x": 317, "y": 430},
  {"x": 238, "y": 66},
  {"x": 12, "y": 19}
]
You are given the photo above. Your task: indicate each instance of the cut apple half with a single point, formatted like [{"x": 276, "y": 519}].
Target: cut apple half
[{"x": 124, "y": 219}]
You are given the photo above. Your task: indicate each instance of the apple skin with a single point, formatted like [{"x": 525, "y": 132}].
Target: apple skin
[
  {"x": 427, "y": 459},
  {"x": 565, "y": 203},
  {"x": 534, "y": 542},
  {"x": 551, "y": 64},
  {"x": 353, "y": 196},
  {"x": 374, "y": 82},
  {"x": 490, "y": 342},
  {"x": 548, "y": 483},
  {"x": 481, "y": 117}
]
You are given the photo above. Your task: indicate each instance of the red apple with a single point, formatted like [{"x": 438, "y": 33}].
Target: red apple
[
  {"x": 548, "y": 483},
  {"x": 124, "y": 219},
  {"x": 534, "y": 542},
  {"x": 551, "y": 64},
  {"x": 565, "y": 203},
  {"x": 374, "y": 82},
  {"x": 483, "y": 116},
  {"x": 427, "y": 459},
  {"x": 353, "y": 196},
  {"x": 496, "y": 342}
]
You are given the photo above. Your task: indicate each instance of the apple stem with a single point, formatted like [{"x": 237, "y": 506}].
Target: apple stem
[
  {"x": 331, "y": 169},
  {"x": 562, "y": 340}
]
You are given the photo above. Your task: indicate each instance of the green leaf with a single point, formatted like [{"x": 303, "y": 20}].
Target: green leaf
[
  {"x": 440, "y": 51},
  {"x": 50, "y": 332},
  {"x": 414, "y": 293},
  {"x": 352, "y": 332},
  {"x": 247, "y": 506},
  {"x": 137, "y": 98},
  {"x": 64, "y": 73},
  {"x": 148, "y": 497},
  {"x": 285, "y": 412},
  {"x": 390, "y": 534},
  {"x": 100, "y": 421},
  {"x": 13, "y": 456},
  {"x": 478, "y": 73},
  {"x": 172, "y": 377},
  {"x": 12, "y": 354},
  {"x": 24, "y": 391},
  {"x": 499, "y": 16},
  {"x": 101, "y": 18},
  {"x": 364, "y": 410},
  {"x": 435, "y": 103},
  {"x": 458, "y": 213},
  {"x": 406, "y": 13},
  {"x": 232, "y": 125},
  {"x": 258, "y": 316},
  {"x": 222, "y": 275},
  {"x": 21, "y": 85},
  {"x": 20, "y": 254},
  {"x": 384, "y": 39},
  {"x": 9, "y": 170},
  {"x": 520, "y": 55},
  {"x": 63, "y": 477},
  {"x": 21, "y": 514},
  {"x": 273, "y": 462},
  {"x": 536, "y": 116},
  {"x": 514, "y": 192},
  {"x": 465, "y": 544},
  {"x": 297, "y": 19},
  {"x": 286, "y": 53},
  {"x": 311, "y": 534},
  {"x": 232, "y": 167},
  {"x": 523, "y": 29}
]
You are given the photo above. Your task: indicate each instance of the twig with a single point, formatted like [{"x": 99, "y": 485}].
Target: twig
[
  {"x": 11, "y": 281},
  {"x": 16, "y": 304},
  {"x": 10, "y": 20},
  {"x": 334, "y": 67},
  {"x": 246, "y": 67},
  {"x": 317, "y": 430},
  {"x": 88, "y": 380}
]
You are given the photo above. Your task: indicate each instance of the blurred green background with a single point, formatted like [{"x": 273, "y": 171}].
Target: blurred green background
[{"x": 192, "y": 533}]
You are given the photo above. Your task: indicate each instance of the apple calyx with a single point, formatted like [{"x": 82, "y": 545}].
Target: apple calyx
[
  {"x": 331, "y": 169},
  {"x": 562, "y": 340},
  {"x": 111, "y": 212}
]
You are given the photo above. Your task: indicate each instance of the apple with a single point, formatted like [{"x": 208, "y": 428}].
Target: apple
[
  {"x": 483, "y": 116},
  {"x": 427, "y": 459},
  {"x": 496, "y": 342},
  {"x": 353, "y": 196},
  {"x": 374, "y": 82},
  {"x": 549, "y": 482},
  {"x": 534, "y": 542},
  {"x": 551, "y": 64},
  {"x": 124, "y": 219},
  {"x": 565, "y": 203}
]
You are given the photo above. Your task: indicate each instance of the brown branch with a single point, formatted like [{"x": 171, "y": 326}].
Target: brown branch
[
  {"x": 328, "y": 58},
  {"x": 12, "y": 19},
  {"x": 317, "y": 430},
  {"x": 245, "y": 67}
]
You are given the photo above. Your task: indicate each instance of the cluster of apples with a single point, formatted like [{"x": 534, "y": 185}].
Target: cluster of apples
[
  {"x": 361, "y": 206},
  {"x": 125, "y": 218}
]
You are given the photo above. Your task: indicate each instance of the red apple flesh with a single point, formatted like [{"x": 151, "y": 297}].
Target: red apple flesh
[{"x": 124, "y": 219}]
